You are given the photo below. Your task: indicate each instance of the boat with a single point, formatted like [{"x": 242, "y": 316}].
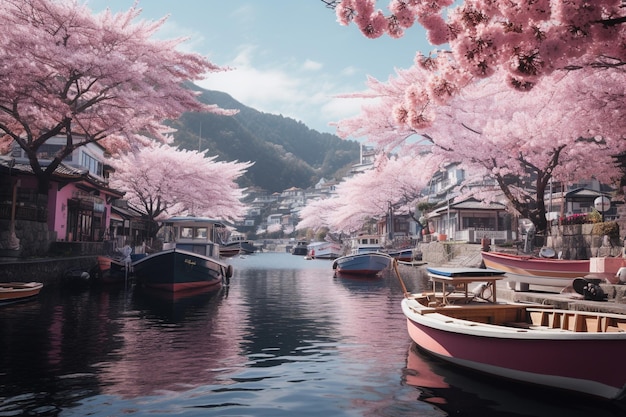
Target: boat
[
  {"x": 324, "y": 250},
  {"x": 405, "y": 255},
  {"x": 366, "y": 257},
  {"x": 301, "y": 248},
  {"x": 537, "y": 270},
  {"x": 575, "y": 351},
  {"x": 77, "y": 278},
  {"x": 117, "y": 268},
  {"x": 12, "y": 292},
  {"x": 189, "y": 259},
  {"x": 364, "y": 264},
  {"x": 114, "y": 269},
  {"x": 236, "y": 244}
]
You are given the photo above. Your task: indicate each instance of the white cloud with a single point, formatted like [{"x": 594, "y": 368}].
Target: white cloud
[
  {"x": 310, "y": 65},
  {"x": 288, "y": 89}
]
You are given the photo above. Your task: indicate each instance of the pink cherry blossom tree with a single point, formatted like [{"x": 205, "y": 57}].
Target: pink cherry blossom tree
[
  {"x": 567, "y": 129},
  {"x": 526, "y": 40},
  {"x": 89, "y": 78},
  {"x": 394, "y": 183},
  {"x": 164, "y": 181}
]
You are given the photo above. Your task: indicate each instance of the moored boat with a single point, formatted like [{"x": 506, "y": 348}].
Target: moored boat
[
  {"x": 365, "y": 258},
  {"x": 536, "y": 270},
  {"x": 236, "y": 244},
  {"x": 116, "y": 269},
  {"x": 364, "y": 264},
  {"x": 12, "y": 292},
  {"x": 189, "y": 259},
  {"x": 324, "y": 250},
  {"x": 301, "y": 248},
  {"x": 404, "y": 255},
  {"x": 576, "y": 351}
]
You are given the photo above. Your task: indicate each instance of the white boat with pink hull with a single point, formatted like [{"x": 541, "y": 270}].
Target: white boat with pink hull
[{"x": 576, "y": 351}]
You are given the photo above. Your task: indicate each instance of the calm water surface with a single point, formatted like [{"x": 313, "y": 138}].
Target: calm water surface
[{"x": 286, "y": 338}]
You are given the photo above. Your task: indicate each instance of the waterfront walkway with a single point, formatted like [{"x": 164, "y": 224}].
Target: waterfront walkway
[{"x": 568, "y": 299}]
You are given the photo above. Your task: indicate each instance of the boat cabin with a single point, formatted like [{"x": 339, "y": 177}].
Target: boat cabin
[
  {"x": 193, "y": 234},
  {"x": 366, "y": 244}
]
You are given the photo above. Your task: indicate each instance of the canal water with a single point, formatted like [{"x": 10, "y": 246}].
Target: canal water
[{"x": 286, "y": 338}]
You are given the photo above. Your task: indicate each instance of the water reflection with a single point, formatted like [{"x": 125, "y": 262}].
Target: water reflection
[
  {"x": 466, "y": 393},
  {"x": 286, "y": 338}
]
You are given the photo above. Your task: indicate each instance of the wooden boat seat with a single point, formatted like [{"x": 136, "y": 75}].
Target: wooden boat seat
[
  {"x": 486, "y": 313},
  {"x": 577, "y": 321}
]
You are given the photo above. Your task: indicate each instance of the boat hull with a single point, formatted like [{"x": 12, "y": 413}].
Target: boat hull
[
  {"x": 566, "y": 360},
  {"x": 234, "y": 248},
  {"x": 11, "y": 292},
  {"x": 178, "y": 270},
  {"x": 229, "y": 251},
  {"x": 366, "y": 264},
  {"x": 537, "y": 271}
]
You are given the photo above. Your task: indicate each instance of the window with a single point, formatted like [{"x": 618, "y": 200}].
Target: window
[
  {"x": 92, "y": 164},
  {"x": 186, "y": 232}
]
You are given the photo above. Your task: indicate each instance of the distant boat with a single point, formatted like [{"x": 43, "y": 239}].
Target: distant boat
[
  {"x": 301, "y": 248},
  {"x": 365, "y": 258},
  {"x": 405, "y": 255},
  {"x": 235, "y": 245},
  {"x": 12, "y": 292},
  {"x": 324, "y": 250},
  {"x": 189, "y": 259},
  {"x": 576, "y": 351},
  {"x": 363, "y": 264},
  {"x": 536, "y": 270}
]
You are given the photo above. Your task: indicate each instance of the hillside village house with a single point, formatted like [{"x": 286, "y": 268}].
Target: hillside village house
[
  {"x": 78, "y": 207},
  {"x": 472, "y": 220}
]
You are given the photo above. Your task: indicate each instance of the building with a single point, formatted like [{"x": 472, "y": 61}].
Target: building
[{"x": 77, "y": 207}]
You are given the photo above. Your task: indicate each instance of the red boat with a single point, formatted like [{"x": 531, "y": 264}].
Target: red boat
[
  {"x": 535, "y": 270},
  {"x": 576, "y": 351}
]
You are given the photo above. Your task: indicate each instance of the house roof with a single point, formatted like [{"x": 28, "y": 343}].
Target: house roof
[
  {"x": 63, "y": 173},
  {"x": 469, "y": 204},
  {"x": 585, "y": 193}
]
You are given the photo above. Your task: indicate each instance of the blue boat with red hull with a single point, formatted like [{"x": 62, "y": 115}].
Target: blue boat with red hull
[
  {"x": 189, "y": 259},
  {"x": 362, "y": 264}
]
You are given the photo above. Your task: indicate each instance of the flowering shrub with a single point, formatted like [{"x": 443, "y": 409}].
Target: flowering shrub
[{"x": 578, "y": 218}]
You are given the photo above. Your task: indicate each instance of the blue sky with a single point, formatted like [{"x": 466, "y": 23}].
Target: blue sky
[{"x": 289, "y": 57}]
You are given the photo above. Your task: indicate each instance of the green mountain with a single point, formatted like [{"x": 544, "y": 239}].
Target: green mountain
[{"x": 285, "y": 152}]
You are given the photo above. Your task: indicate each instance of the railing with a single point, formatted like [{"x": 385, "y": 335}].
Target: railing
[
  {"x": 24, "y": 212},
  {"x": 475, "y": 236}
]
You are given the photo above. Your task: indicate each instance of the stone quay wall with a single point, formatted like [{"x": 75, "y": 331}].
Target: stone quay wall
[
  {"x": 49, "y": 271},
  {"x": 446, "y": 252},
  {"x": 577, "y": 241}
]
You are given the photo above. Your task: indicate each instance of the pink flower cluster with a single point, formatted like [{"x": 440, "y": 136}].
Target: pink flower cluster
[{"x": 578, "y": 218}]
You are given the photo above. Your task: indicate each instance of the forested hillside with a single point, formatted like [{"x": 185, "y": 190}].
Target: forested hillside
[{"x": 285, "y": 152}]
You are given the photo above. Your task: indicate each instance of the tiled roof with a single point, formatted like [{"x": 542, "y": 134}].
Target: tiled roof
[{"x": 62, "y": 172}]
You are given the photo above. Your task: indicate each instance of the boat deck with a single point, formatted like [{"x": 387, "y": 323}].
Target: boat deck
[{"x": 528, "y": 316}]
